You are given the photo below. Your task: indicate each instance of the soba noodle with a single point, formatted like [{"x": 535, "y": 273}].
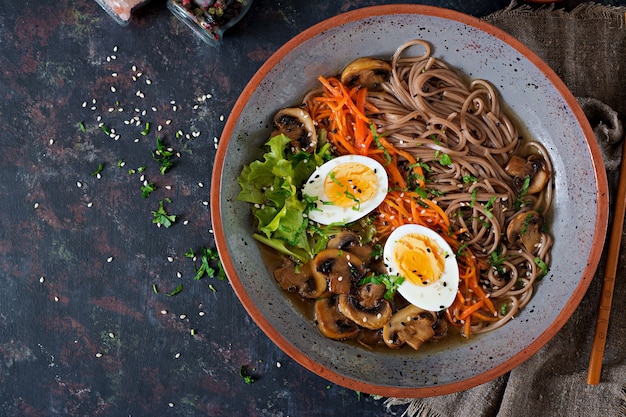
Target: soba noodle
[{"x": 428, "y": 109}]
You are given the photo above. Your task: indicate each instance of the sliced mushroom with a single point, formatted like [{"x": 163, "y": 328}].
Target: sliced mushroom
[
  {"x": 289, "y": 278},
  {"x": 372, "y": 319},
  {"x": 534, "y": 166},
  {"x": 370, "y": 339},
  {"x": 339, "y": 268},
  {"x": 315, "y": 286},
  {"x": 525, "y": 229},
  {"x": 370, "y": 295},
  {"x": 541, "y": 174},
  {"x": 351, "y": 242},
  {"x": 297, "y": 125},
  {"x": 411, "y": 325},
  {"x": 331, "y": 323},
  {"x": 368, "y": 73}
]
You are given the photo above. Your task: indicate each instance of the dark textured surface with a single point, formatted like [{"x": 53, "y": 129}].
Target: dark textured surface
[{"x": 82, "y": 331}]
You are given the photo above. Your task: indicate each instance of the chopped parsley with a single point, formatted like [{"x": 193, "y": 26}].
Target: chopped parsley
[
  {"x": 98, "y": 170},
  {"x": 209, "y": 261},
  {"x": 161, "y": 216},
  {"x": 175, "y": 291},
  {"x": 147, "y": 189},
  {"x": 163, "y": 155}
]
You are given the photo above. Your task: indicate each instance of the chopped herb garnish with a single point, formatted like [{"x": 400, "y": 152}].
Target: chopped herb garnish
[
  {"x": 469, "y": 179},
  {"x": 82, "y": 127},
  {"x": 247, "y": 378},
  {"x": 379, "y": 145},
  {"x": 155, "y": 288},
  {"x": 474, "y": 196},
  {"x": 543, "y": 266},
  {"x": 162, "y": 217},
  {"x": 146, "y": 129},
  {"x": 105, "y": 129},
  {"x": 444, "y": 159},
  {"x": 489, "y": 206},
  {"x": 98, "y": 170},
  {"x": 175, "y": 291},
  {"x": 209, "y": 259},
  {"x": 163, "y": 156},
  {"x": 147, "y": 189},
  {"x": 503, "y": 308},
  {"x": 496, "y": 260}
]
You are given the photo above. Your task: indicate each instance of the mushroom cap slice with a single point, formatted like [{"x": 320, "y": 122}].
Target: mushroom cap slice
[
  {"x": 289, "y": 278},
  {"x": 368, "y": 73},
  {"x": 331, "y": 323},
  {"x": 297, "y": 125},
  {"x": 339, "y": 267},
  {"x": 373, "y": 319},
  {"x": 524, "y": 229},
  {"x": 534, "y": 167},
  {"x": 411, "y": 325},
  {"x": 350, "y": 241}
]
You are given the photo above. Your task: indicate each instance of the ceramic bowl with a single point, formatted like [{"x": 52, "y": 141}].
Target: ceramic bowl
[{"x": 531, "y": 90}]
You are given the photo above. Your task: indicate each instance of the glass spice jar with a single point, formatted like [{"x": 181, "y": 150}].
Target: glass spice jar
[
  {"x": 121, "y": 10},
  {"x": 209, "y": 19}
]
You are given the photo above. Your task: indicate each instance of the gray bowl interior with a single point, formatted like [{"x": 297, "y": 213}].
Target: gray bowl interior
[{"x": 531, "y": 97}]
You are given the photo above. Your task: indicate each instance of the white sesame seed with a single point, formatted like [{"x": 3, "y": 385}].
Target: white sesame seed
[
  {"x": 168, "y": 187},
  {"x": 89, "y": 204},
  {"x": 79, "y": 184},
  {"x": 171, "y": 404},
  {"x": 110, "y": 259},
  {"x": 183, "y": 316},
  {"x": 98, "y": 355},
  {"x": 113, "y": 89},
  {"x": 205, "y": 203},
  {"x": 111, "y": 335},
  {"x": 179, "y": 275},
  {"x": 56, "y": 298},
  {"x": 36, "y": 205},
  {"x": 177, "y": 355},
  {"x": 115, "y": 48},
  {"x": 113, "y": 56},
  {"x": 201, "y": 313},
  {"x": 84, "y": 104},
  {"x": 278, "y": 364},
  {"x": 221, "y": 118},
  {"x": 200, "y": 184},
  {"x": 164, "y": 312},
  {"x": 51, "y": 141},
  {"x": 148, "y": 81},
  {"x": 170, "y": 259},
  {"x": 186, "y": 222},
  {"x": 42, "y": 279},
  {"x": 114, "y": 74}
]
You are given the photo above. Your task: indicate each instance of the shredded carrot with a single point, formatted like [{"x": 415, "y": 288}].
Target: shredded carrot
[{"x": 343, "y": 113}]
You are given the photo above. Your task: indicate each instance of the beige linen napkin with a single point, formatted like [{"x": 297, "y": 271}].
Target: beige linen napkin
[{"x": 587, "y": 49}]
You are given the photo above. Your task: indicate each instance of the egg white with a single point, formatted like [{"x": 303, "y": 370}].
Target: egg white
[
  {"x": 438, "y": 295},
  {"x": 327, "y": 213}
]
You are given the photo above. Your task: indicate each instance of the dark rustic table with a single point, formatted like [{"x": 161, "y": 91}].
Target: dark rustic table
[{"x": 100, "y": 311}]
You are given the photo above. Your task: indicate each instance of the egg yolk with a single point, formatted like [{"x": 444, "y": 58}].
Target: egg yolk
[
  {"x": 350, "y": 184},
  {"x": 419, "y": 259}
]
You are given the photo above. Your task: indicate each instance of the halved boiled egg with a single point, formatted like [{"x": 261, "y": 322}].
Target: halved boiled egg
[
  {"x": 345, "y": 189},
  {"x": 427, "y": 263}
]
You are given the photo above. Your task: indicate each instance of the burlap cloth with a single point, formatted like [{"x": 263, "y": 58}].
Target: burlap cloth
[{"x": 587, "y": 48}]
